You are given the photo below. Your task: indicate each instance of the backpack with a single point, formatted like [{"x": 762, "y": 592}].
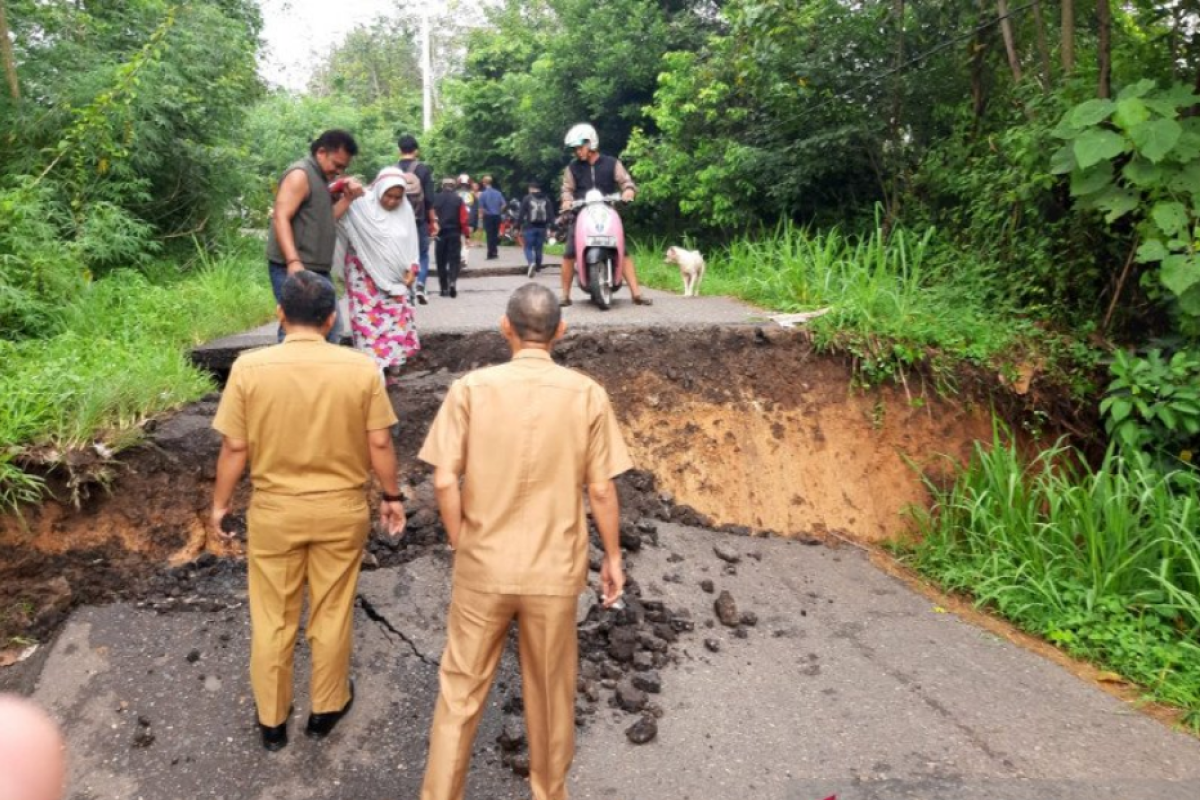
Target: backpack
[
  {"x": 537, "y": 210},
  {"x": 414, "y": 191}
]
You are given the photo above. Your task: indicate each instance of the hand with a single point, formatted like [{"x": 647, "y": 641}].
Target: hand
[
  {"x": 434, "y": 228},
  {"x": 391, "y": 514},
  {"x": 295, "y": 265},
  {"x": 612, "y": 580},
  {"x": 627, "y": 195},
  {"x": 215, "y": 518},
  {"x": 354, "y": 189}
]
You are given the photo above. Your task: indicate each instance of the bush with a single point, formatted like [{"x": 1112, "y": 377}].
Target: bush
[{"x": 1104, "y": 562}]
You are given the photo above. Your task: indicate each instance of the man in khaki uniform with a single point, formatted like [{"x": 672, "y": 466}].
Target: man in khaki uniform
[
  {"x": 525, "y": 438},
  {"x": 311, "y": 418}
]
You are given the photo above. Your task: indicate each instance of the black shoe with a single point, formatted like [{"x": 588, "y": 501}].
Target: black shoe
[
  {"x": 443, "y": 293},
  {"x": 454, "y": 291},
  {"x": 563, "y": 303},
  {"x": 321, "y": 725},
  {"x": 274, "y": 739}
]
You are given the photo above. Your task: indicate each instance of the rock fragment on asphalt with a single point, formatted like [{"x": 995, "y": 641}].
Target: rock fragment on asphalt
[
  {"x": 629, "y": 697},
  {"x": 727, "y": 610},
  {"x": 642, "y": 731},
  {"x": 726, "y": 553}
]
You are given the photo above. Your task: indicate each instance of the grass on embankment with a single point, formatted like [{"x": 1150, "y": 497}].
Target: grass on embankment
[
  {"x": 894, "y": 301},
  {"x": 1103, "y": 562},
  {"x": 119, "y": 356}
]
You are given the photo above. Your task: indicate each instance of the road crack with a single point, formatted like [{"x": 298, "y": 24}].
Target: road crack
[{"x": 374, "y": 615}]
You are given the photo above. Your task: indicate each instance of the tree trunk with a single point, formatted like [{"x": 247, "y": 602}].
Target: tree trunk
[
  {"x": 1068, "y": 36},
  {"x": 1042, "y": 45},
  {"x": 6, "y": 55},
  {"x": 1104, "y": 17},
  {"x": 979, "y": 46},
  {"x": 897, "y": 80},
  {"x": 1010, "y": 45}
]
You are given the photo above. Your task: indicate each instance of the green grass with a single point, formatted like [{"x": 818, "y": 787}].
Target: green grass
[
  {"x": 1104, "y": 562},
  {"x": 894, "y": 301},
  {"x": 119, "y": 357}
]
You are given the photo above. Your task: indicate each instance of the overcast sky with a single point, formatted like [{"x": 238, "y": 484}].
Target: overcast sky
[{"x": 299, "y": 32}]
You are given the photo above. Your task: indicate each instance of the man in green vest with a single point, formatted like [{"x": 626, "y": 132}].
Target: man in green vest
[{"x": 308, "y": 204}]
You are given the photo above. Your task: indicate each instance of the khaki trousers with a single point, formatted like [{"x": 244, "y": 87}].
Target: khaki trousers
[
  {"x": 293, "y": 541},
  {"x": 549, "y": 652}
]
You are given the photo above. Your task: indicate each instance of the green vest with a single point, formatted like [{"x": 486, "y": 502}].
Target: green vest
[{"x": 313, "y": 227}]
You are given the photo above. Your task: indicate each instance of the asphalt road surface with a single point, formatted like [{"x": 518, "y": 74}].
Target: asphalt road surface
[{"x": 848, "y": 685}]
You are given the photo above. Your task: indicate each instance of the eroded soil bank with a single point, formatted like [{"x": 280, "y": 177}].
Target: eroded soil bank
[{"x": 745, "y": 429}]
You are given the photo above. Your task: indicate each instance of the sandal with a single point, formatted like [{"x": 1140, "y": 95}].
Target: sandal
[{"x": 639, "y": 300}]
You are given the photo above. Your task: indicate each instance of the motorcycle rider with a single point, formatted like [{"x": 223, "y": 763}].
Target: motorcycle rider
[{"x": 591, "y": 170}]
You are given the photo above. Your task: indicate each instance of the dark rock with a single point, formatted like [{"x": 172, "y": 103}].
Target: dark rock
[
  {"x": 741, "y": 633},
  {"x": 666, "y": 633},
  {"x": 749, "y": 619},
  {"x": 629, "y": 697},
  {"x": 681, "y": 621},
  {"x": 642, "y": 731},
  {"x": 589, "y": 671},
  {"x": 674, "y": 558},
  {"x": 519, "y": 764},
  {"x": 630, "y": 538},
  {"x": 726, "y": 609},
  {"x": 645, "y": 525},
  {"x": 642, "y": 661},
  {"x": 729, "y": 569},
  {"x": 193, "y": 656},
  {"x": 610, "y": 671},
  {"x": 512, "y": 737},
  {"x": 422, "y": 518},
  {"x": 707, "y": 586},
  {"x": 649, "y": 681},
  {"x": 713, "y": 645},
  {"x": 726, "y": 553}
]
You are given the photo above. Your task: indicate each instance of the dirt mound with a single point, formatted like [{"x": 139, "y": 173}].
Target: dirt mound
[{"x": 747, "y": 429}]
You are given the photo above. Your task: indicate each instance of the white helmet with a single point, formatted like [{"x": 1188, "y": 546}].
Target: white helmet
[{"x": 583, "y": 134}]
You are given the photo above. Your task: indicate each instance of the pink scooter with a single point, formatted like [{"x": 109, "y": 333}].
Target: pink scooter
[{"x": 599, "y": 246}]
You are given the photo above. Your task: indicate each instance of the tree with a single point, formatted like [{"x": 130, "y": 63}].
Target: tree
[{"x": 6, "y": 55}]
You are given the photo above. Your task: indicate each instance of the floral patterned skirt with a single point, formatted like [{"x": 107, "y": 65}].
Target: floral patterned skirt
[{"x": 382, "y": 325}]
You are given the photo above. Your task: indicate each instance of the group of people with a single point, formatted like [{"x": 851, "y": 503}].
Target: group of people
[
  {"x": 380, "y": 234},
  {"x": 513, "y": 449}
]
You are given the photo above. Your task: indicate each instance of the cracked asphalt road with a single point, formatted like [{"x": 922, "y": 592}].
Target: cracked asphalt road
[{"x": 849, "y": 684}]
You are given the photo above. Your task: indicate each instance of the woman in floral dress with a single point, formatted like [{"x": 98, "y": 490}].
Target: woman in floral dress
[{"x": 380, "y": 234}]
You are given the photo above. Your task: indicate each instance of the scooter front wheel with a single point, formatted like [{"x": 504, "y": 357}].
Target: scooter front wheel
[{"x": 600, "y": 283}]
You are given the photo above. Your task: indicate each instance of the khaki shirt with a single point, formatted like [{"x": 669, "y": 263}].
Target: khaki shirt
[
  {"x": 305, "y": 407},
  {"x": 526, "y": 436}
]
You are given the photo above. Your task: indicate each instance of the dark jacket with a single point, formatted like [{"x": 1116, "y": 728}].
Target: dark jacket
[
  {"x": 422, "y": 171},
  {"x": 525, "y": 215}
]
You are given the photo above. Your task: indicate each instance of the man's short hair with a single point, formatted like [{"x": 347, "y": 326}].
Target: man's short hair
[
  {"x": 408, "y": 143},
  {"x": 487, "y": 180},
  {"x": 450, "y": 182},
  {"x": 307, "y": 299},
  {"x": 535, "y": 184},
  {"x": 533, "y": 313},
  {"x": 333, "y": 140}
]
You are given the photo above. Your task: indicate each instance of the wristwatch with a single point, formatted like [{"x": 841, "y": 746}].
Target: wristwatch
[{"x": 391, "y": 498}]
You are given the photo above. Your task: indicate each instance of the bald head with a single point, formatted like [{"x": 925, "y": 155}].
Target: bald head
[
  {"x": 534, "y": 314},
  {"x": 32, "y": 766}
]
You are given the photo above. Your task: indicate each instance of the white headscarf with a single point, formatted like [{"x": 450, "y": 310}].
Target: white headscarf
[{"x": 385, "y": 241}]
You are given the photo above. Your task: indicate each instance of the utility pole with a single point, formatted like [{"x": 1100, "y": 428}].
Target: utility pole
[{"x": 426, "y": 71}]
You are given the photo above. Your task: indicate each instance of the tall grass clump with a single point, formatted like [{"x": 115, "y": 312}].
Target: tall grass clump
[
  {"x": 118, "y": 356},
  {"x": 894, "y": 299},
  {"x": 1104, "y": 562}
]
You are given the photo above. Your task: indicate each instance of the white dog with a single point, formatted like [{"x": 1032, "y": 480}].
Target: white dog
[{"x": 691, "y": 268}]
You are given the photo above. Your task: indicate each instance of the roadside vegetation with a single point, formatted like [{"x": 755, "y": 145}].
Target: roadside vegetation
[{"x": 1008, "y": 188}]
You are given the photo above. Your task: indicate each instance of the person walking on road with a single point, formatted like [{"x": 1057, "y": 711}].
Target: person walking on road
[
  {"x": 380, "y": 236},
  {"x": 302, "y": 233},
  {"x": 422, "y": 203},
  {"x": 452, "y": 212},
  {"x": 491, "y": 209},
  {"x": 591, "y": 170},
  {"x": 524, "y": 438},
  {"x": 312, "y": 421},
  {"x": 532, "y": 220}
]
